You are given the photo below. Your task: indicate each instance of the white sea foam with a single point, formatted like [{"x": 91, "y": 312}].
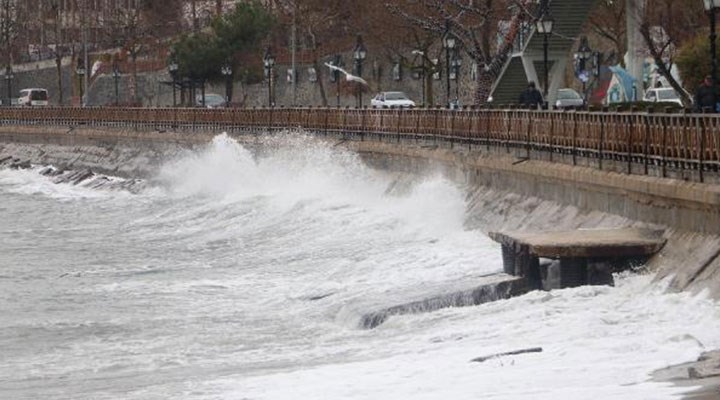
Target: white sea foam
[{"x": 242, "y": 275}]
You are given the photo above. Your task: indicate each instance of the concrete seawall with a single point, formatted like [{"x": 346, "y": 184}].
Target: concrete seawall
[{"x": 503, "y": 191}]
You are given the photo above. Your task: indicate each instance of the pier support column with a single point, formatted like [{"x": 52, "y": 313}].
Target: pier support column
[
  {"x": 573, "y": 272},
  {"x": 518, "y": 261}
]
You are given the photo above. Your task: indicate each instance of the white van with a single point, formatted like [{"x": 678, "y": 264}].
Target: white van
[{"x": 33, "y": 97}]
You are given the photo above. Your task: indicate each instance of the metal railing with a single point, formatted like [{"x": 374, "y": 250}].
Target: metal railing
[{"x": 641, "y": 141}]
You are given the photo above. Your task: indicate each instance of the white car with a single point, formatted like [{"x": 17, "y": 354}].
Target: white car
[
  {"x": 663, "y": 95},
  {"x": 212, "y": 100},
  {"x": 392, "y": 99},
  {"x": 33, "y": 97},
  {"x": 568, "y": 98}
]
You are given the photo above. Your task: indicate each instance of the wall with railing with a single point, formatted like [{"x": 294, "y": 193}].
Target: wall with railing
[{"x": 686, "y": 146}]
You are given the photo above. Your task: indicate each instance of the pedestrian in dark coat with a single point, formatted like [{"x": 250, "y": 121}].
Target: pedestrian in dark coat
[
  {"x": 705, "y": 96},
  {"x": 531, "y": 97}
]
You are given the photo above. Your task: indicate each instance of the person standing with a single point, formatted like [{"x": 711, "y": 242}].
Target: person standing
[
  {"x": 705, "y": 97},
  {"x": 531, "y": 97}
]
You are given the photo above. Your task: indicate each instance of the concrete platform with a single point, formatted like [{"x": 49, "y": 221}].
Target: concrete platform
[
  {"x": 582, "y": 257},
  {"x": 586, "y": 243}
]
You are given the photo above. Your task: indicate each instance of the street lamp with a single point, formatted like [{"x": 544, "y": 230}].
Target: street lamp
[
  {"x": 359, "y": 55},
  {"x": 422, "y": 72},
  {"x": 711, "y": 6},
  {"x": 269, "y": 61},
  {"x": 456, "y": 63},
  {"x": 337, "y": 61},
  {"x": 116, "y": 78},
  {"x": 449, "y": 42},
  {"x": 227, "y": 72},
  {"x": 583, "y": 54},
  {"x": 544, "y": 26},
  {"x": 173, "y": 70},
  {"x": 9, "y": 76},
  {"x": 80, "y": 71}
]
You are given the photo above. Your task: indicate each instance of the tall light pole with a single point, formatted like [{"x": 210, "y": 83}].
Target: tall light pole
[
  {"x": 711, "y": 6},
  {"x": 359, "y": 55},
  {"x": 9, "y": 76},
  {"x": 456, "y": 62},
  {"x": 227, "y": 72},
  {"x": 544, "y": 26},
  {"x": 583, "y": 55},
  {"x": 116, "y": 77},
  {"x": 269, "y": 61},
  {"x": 173, "y": 70},
  {"x": 80, "y": 71},
  {"x": 422, "y": 72},
  {"x": 449, "y": 44}
]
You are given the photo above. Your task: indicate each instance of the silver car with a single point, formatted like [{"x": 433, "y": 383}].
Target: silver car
[
  {"x": 392, "y": 99},
  {"x": 569, "y": 98},
  {"x": 664, "y": 95}
]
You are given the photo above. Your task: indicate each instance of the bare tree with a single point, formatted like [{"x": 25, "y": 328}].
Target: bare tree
[
  {"x": 609, "y": 23},
  {"x": 664, "y": 27},
  {"x": 10, "y": 24},
  {"x": 474, "y": 24},
  {"x": 138, "y": 28}
]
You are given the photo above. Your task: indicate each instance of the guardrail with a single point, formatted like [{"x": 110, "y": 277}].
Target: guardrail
[{"x": 663, "y": 141}]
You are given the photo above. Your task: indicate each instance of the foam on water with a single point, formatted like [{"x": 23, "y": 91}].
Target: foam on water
[{"x": 239, "y": 275}]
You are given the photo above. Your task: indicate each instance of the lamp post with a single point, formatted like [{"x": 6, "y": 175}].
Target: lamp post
[
  {"x": 227, "y": 72},
  {"x": 449, "y": 44},
  {"x": 422, "y": 72},
  {"x": 583, "y": 55},
  {"x": 711, "y": 6},
  {"x": 269, "y": 61},
  {"x": 80, "y": 71},
  {"x": 9, "y": 76},
  {"x": 456, "y": 62},
  {"x": 173, "y": 70},
  {"x": 116, "y": 77},
  {"x": 545, "y": 26},
  {"x": 337, "y": 60},
  {"x": 359, "y": 55}
]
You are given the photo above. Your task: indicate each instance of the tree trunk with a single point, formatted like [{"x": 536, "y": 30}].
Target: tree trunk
[
  {"x": 323, "y": 95},
  {"x": 58, "y": 65},
  {"x": 133, "y": 84}
]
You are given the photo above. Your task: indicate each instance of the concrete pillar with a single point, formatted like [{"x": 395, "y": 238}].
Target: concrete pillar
[
  {"x": 518, "y": 261},
  {"x": 634, "y": 12},
  {"x": 573, "y": 272},
  {"x": 508, "y": 256}
]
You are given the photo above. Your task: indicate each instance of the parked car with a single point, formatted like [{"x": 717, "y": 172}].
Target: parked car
[
  {"x": 33, "y": 97},
  {"x": 662, "y": 95},
  {"x": 568, "y": 98},
  {"x": 392, "y": 99},
  {"x": 212, "y": 100}
]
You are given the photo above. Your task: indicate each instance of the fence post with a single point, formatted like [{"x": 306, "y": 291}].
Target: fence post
[
  {"x": 701, "y": 158},
  {"x": 629, "y": 143},
  {"x": 527, "y": 137},
  {"x": 601, "y": 144},
  {"x": 574, "y": 137},
  {"x": 664, "y": 144},
  {"x": 646, "y": 146}
]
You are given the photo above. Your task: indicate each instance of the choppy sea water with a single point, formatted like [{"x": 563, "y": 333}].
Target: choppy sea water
[{"x": 234, "y": 276}]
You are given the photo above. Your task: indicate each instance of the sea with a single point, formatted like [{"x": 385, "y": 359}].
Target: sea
[{"x": 237, "y": 274}]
